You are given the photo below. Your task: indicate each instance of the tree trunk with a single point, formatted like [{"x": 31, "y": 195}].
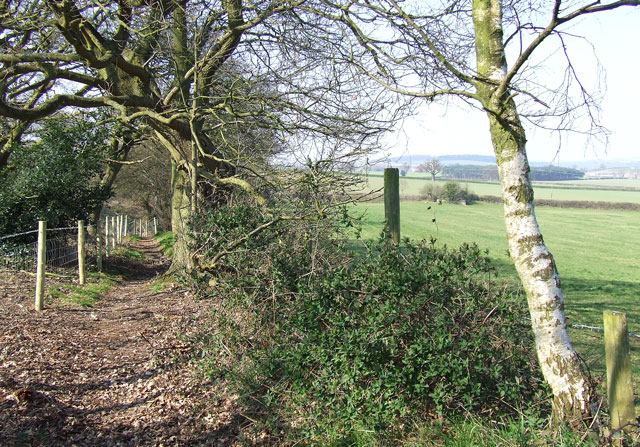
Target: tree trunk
[
  {"x": 537, "y": 270},
  {"x": 179, "y": 145},
  {"x": 535, "y": 266},
  {"x": 181, "y": 219}
]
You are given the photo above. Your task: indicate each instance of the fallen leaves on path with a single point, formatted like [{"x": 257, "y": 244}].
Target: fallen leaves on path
[{"x": 120, "y": 373}]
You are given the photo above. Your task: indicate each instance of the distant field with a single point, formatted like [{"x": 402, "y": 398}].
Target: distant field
[
  {"x": 596, "y": 252},
  {"x": 412, "y": 184},
  {"x": 609, "y": 183}
]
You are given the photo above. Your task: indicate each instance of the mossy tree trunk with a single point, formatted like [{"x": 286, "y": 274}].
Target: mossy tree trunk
[
  {"x": 181, "y": 219},
  {"x": 180, "y": 144},
  {"x": 534, "y": 263}
]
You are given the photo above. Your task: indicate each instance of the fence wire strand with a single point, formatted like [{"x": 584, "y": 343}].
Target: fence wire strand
[
  {"x": 11, "y": 236},
  {"x": 590, "y": 328}
]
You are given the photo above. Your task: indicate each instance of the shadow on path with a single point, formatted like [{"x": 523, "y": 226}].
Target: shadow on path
[{"x": 119, "y": 373}]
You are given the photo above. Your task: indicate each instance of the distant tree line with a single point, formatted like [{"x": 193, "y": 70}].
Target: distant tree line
[{"x": 490, "y": 173}]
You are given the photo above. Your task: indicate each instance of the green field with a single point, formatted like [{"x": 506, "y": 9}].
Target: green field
[
  {"x": 596, "y": 252},
  {"x": 629, "y": 190},
  {"x": 600, "y": 183}
]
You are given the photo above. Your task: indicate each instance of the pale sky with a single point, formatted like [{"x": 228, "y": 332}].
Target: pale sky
[{"x": 615, "y": 35}]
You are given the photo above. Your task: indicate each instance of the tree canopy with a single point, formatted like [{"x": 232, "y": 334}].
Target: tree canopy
[{"x": 201, "y": 78}]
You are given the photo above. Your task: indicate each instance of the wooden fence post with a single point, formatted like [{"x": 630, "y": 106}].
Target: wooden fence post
[
  {"x": 114, "y": 231},
  {"x": 41, "y": 265},
  {"x": 126, "y": 225},
  {"x": 155, "y": 226},
  {"x": 392, "y": 203},
  {"x": 81, "y": 253},
  {"x": 106, "y": 235},
  {"x": 619, "y": 386}
]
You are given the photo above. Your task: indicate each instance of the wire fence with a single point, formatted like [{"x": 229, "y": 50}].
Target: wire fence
[
  {"x": 19, "y": 251},
  {"x": 587, "y": 327},
  {"x": 598, "y": 329},
  {"x": 61, "y": 249}
]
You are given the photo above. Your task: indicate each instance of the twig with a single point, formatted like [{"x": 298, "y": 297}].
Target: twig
[
  {"x": 147, "y": 340},
  {"x": 595, "y": 418},
  {"x": 488, "y": 315}
]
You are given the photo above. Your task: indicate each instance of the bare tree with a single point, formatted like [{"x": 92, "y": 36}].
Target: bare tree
[
  {"x": 433, "y": 167},
  {"x": 187, "y": 74},
  {"x": 459, "y": 49}
]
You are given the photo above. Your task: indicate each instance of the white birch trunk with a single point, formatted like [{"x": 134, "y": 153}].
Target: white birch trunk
[{"x": 535, "y": 266}]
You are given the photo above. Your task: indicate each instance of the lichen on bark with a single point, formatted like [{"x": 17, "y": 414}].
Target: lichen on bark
[{"x": 534, "y": 263}]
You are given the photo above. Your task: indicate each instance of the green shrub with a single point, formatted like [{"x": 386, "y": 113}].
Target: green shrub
[
  {"x": 403, "y": 333},
  {"x": 451, "y": 192},
  {"x": 334, "y": 350},
  {"x": 55, "y": 176},
  {"x": 433, "y": 191}
]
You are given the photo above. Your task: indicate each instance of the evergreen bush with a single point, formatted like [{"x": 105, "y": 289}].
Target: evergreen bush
[{"x": 341, "y": 348}]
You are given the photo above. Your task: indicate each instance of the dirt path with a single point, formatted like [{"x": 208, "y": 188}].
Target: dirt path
[{"x": 119, "y": 373}]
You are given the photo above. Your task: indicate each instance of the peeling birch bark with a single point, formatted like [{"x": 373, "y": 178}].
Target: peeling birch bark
[{"x": 534, "y": 263}]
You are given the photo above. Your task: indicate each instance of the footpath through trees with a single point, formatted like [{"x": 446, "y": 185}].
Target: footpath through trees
[{"x": 122, "y": 372}]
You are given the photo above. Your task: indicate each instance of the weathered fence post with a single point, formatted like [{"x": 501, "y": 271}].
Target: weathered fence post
[
  {"x": 106, "y": 235},
  {"x": 81, "y": 253},
  {"x": 155, "y": 226},
  {"x": 619, "y": 386},
  {"x": 392, "y": 203},
  {"x": 126, "y": 225},
  {"x": 42, "y": 260}
]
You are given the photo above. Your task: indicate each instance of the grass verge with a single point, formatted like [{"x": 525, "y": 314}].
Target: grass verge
[
  {"x": 86, "y": 295},
  {"x": 128, "y": 253},
  {"x": 165, "y": 239}
]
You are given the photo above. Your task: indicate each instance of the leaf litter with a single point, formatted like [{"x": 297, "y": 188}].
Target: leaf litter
[{"x": 120, "y": 373}]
